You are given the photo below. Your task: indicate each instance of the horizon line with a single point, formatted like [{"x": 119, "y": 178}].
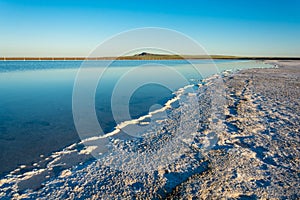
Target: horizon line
[{"x": 143, "y": 56}]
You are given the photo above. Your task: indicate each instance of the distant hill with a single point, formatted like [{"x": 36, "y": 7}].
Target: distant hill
[{"x": 148, "y": 54}]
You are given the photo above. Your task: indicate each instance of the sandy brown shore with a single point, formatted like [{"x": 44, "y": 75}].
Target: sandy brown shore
[{"x": 256, "y": 156}]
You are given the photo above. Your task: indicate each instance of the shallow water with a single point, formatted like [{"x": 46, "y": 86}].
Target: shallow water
[{"x": 36, "y": 99}]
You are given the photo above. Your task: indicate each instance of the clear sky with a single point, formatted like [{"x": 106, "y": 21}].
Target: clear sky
[{"x": 74, "y": 28}]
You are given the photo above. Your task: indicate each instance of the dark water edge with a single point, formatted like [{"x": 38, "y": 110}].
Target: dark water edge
[{"x": 30, "y": 140}]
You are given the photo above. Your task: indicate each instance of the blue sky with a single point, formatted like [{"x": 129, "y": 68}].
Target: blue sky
[{"x": 74, "y": 28}]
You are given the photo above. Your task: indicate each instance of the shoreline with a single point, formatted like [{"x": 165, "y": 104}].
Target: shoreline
[
  {"x": 79, "y": 154},
  {"x": 255, "y": 149},
  {"x": 28, "y": 161}
]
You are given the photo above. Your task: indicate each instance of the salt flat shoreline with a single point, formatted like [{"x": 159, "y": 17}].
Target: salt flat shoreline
[{"x": 257, "y": 154}]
